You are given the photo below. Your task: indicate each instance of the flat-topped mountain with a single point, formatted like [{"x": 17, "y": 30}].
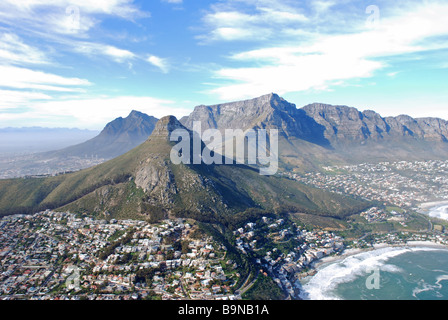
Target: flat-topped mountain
[
  {"x": 346, "y": 124},
  {"x": 268, "y": 111},
  {"x": 320, "y": 134}
]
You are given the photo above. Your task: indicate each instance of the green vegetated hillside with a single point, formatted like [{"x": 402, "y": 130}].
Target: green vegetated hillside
[{"x": 145, "y": 184}]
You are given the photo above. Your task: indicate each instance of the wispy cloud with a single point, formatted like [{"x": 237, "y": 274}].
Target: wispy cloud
[
  {"x": 160, "y": 63},
  {"x": 173, "y": 1},
  {"x": 252, "y": 20},
  {"x": 99, "y": 49},
  {"x": 13, "y": 50},
  {"x": 92, "y": 113},
  {"x": 22, "y": 78},
  {"x": 34, "y": 86},
  {"x": 322, "y": 60},
  {"x": 65, "y": 16},
  {"x": 12, "y": 99}
]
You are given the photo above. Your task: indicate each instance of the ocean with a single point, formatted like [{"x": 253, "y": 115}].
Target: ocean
[{"x": 391, "y": 273}]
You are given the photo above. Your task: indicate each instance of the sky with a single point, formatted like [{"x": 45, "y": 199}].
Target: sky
[{"x": 83, "y": 63}]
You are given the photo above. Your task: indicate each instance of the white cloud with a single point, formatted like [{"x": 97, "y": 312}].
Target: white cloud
[
  {"x": 322, "y": 6},
  {"x": 66, "y": 18},
  {"x": 22, "y": 78},
  {"x": 60, "y": 24},
  {"x": 99, "y": 49},
  {"x": 14, "y": 50},
  {"x": 324, "y": 60},
  {"x": 11, "y": 99},
  {"x": 393, "y": 74},
  {"x": 91, "y": 113},
  {"x": 160, "y": 63},
  {"x": 259, "y": 20}
]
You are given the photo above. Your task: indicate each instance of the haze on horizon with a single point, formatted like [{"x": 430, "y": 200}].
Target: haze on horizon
[{"x": 71, "y": 63}]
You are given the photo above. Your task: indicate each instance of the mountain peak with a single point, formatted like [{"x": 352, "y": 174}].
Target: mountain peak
[
  {"x": 244, "y": 114},
  {"x": 135, "y": 113},
  {"x": 166, "y": 125},
  {"x": 118, "y": 137}
]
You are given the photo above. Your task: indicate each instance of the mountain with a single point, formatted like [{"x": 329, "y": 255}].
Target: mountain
[
  {"x": 346, "y": 124},
  {"x": 144, "y": 184},
  {"x": 301, "y": 139},
  {"x": 367, "y": 136},
  {"x": 117, "y": 138},
  {"x": 320, "y": 134},
  {"x": 267, "y": 112}
]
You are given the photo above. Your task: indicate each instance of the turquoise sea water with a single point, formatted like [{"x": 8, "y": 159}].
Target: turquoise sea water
[{"x": 406, "y": 273}]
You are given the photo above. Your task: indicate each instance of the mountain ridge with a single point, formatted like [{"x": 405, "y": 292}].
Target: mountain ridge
[
  {"x": 144, "y": 184},
  {"x": 117, "y": 137},
  {"x": 321, "y": 134}
]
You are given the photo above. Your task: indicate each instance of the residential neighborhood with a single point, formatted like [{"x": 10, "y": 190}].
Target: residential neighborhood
[
  {"x": 54, "y": 255},
  {"x": 403, "y": 183},
  {"x": 39, "y": 253},
  {"x": 59, "y": 255}
]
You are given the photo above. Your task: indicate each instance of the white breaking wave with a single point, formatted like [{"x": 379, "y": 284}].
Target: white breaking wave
[
  {"x": 325, "y": 281},
  {"x": 440, "y": 212}
]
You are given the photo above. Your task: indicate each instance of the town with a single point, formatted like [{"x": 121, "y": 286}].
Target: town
[
  {"x": 404, "y": 184},
  {"x": 54, "y": 255},
  {"x": 62, "y": 256},
  {"x": 128, "y": 259},
  {"x": 115, "y": 260},
  {"x": 32, "y": 166}
]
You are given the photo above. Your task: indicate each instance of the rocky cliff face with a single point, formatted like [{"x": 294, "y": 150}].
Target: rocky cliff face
[
  {"x": 316, "y": 122},
  {"x": 154, "y": 175},
  {"x": 325, "y": 133},
  {"x": 268, "y": 111},
  {"x": 348, "y": 125}
]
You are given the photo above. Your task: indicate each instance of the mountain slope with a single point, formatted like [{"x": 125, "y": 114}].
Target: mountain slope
[
  {"x": 301, "y": 139},
  {"x": 144, "y": 183},
  {"x": 320, "y": 134},
  {"x": 343, "y": 123},
  {"x": 117, "y": 138},
  {"x": 366, "y": 136}
]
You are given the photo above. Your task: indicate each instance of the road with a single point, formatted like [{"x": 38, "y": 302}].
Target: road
[{"x": 242, "y": 290}]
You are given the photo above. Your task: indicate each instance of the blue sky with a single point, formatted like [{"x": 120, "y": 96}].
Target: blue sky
[{"x": 82, "y": 63}]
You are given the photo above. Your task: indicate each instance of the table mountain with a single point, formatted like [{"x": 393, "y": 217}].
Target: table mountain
[{"x": 319, "y": 134}]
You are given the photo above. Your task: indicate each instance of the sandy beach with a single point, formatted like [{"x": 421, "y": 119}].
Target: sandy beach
[
  {"x": 322, "y": 263},
  {"x": 427, "y": 205}
]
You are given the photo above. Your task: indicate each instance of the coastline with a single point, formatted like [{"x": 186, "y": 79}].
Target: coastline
[
  {"x": 427, "y": 205},
  {"x": 326, "y": 261},
  {"x": 331, "y": 271}
]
